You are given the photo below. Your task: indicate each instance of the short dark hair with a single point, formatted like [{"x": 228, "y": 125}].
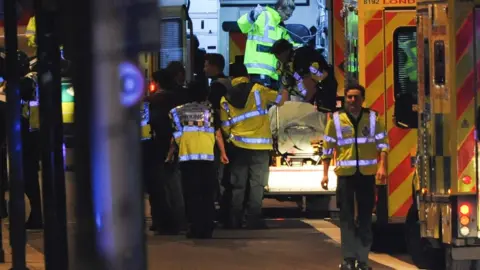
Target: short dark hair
[
  {"x": 281, "y": 46},
  {"x": 238, "y": 70},
  {"x": 197, "y": 91},
  {"x": 163, "y": 78},
  {"x": 215, "y": 59},
  {"x": 175, "y": 67},
  {"x": 355, "y": 86}
]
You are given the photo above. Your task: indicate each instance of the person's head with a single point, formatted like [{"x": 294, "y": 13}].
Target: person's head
[
  {"x": 195, "y": 42},
  {"x": 354, "y": 97},
  {"x": 282, "y": 50},
  {"x": 177, "y": 72},
  {"x": 237, "y": 70},
  {"x": 197, "y": 91},
  {"x": 285, "y": 8},
  {"x": 162, "y": 79},
  {"x": 214, "y": 64}
]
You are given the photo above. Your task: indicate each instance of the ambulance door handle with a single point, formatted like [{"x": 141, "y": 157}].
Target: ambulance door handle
[{"x": 202, "y": 24}]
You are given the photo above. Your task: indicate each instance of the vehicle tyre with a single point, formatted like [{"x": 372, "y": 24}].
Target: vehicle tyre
[
  {"x": 424, "y": 256},
  {"x": 451, "y": 264}
]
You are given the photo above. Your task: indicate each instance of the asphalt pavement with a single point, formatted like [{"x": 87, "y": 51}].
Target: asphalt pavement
[{"x": 289, "y": 243}]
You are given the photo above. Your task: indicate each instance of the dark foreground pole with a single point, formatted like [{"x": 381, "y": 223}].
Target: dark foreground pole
[
  {"x": 78, "y": 45},
  {"x": 17, "y": 203},
  {"x": 51, "y": 131},
  {"x": 108, "y": 89}
]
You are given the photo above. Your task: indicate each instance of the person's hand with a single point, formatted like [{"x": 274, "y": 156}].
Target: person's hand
[
  {"x": 381, "y": 175},
  {"x": 224, "y": 158},
  {"x": 170, "y": 156},
  {"x": 325, "y": 182}
]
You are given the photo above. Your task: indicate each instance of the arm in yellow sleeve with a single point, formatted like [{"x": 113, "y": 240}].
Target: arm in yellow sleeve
[
  {"x": 272, "y": 96},
  {"x": 381, "y": 137},
  {"x": 224, "y": 117},
  {"x": 329, "y": 140},
  {"x": 250, "y": 20}
]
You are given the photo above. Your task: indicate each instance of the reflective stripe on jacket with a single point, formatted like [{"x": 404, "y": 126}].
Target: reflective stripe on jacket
[
  {"x": 356, "y": 147},
  {"x": 194, "y": 131},
  {"x": 262, "y": 33},
  {"x": 249, "y": 127}
]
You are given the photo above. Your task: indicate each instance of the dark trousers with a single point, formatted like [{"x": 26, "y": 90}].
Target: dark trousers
[
  {"x": 31, "y": 158},
  {"x": 199, "y": 184},
  {"x": 162, "y": 195},
  {"x": 356, "y": 234},
  {"x": 248, "y": 167}
]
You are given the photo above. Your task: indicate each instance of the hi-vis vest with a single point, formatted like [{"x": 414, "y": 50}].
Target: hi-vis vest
[
  {"x": 249, "y": 127},
  {"x": 356, "y": 148},
  {"x": 410, "y": 68},
  {"x": 262, "y": 33},
  {"x": 194, "y": 131}
]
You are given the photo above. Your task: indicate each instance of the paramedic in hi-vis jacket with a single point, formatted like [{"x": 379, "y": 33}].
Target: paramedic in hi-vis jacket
[
  {"x": 264, "y": 26},
  {"x": 360, "y": 144},
  {"x": 246, "y": 124},
  {"x": 195, "y": 131}
]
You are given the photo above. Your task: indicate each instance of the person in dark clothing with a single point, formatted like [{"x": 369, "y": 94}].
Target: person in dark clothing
[
  {"x": 306, "y": 73},
  {"x": 199, "y": 58},
  {"x": 177, "y": 73},
  {"x": 213, "y": 67},
  {"x": 163, "y": 194}
]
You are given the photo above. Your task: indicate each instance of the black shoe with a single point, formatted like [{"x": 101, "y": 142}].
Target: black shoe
[
  {"x": 348, "y": 264},
  {"x": 152, "y": 228},
  {"x": 363, "y": 266}
]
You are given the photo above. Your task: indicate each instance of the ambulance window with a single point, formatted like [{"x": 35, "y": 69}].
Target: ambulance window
[
  {"x": 172, "y": 41},
  {"x": 405, "y": 76},
  {"x": 439, "y": 50}
]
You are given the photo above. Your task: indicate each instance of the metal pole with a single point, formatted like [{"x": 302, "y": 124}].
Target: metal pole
[
  {"x": 118, "y": 89},
  {"x": 17, "y": 203},
  {"x": 79, "y": 42},
  {"x": 51, "y": 131}
]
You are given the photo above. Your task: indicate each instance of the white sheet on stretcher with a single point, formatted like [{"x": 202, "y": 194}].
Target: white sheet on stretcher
[{"x": 299, "y": 124}]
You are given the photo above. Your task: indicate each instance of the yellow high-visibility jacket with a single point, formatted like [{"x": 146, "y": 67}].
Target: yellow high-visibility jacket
[
  {"x": 356, "y": 146},
  {"x": 245, "y": 120}
]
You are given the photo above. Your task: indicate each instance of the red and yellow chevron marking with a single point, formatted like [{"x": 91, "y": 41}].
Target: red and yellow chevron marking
[
  {"x": 465, "y": 112},
  {"x": 338, "y": 46},
  {"x": 237, "y": 45},
  {"x": 379, "y": 73}
]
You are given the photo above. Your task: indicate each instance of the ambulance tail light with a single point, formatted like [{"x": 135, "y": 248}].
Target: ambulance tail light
[
  {"x": 464, "y": 209},
  {"x": 466, "y": 180},
  {"x": 152, "y": 87},
  {"x": 466, "y": 216}
]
